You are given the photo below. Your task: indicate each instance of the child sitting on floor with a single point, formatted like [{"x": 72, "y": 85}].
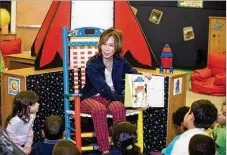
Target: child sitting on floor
[
  {"x": 220, "y": 131},
  {"x": 178, "y": 118},
  {"x": 200, "y": 116},
  {"x": 124, "y": 138},
  {"x": 201, "y": 145},
  {"x": 53, "y": 133},
  {"x": 20, "y": 122},
  {"x": 65, "y": 148}
]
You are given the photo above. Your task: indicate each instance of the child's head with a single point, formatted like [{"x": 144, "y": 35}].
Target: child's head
[
  {"x": 202, "y": 114},
  {"x": 202, "y": 144},
  {"x": 222, "y": 115},
  {"x": 65, "y": 148},
  {"x": 24, "y": 104},
  {"x": 124, "y": 137},
  {"x": 178, "y": 118},
  {"x": 53, "y": 127}
]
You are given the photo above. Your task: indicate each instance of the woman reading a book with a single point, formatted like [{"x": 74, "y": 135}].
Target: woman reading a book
[{"x": 102, "y": 93}]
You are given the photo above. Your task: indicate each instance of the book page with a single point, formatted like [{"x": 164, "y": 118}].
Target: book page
[{"x": 155, "y": 91}]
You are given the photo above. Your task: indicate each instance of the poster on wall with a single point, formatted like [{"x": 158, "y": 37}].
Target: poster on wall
[
  {"x": 156, "y": 16},
  {"x": 190, "y": 4},
  {"x": 13, "y": 86},
  {"x": 177, "y": 86},
  {"x": 188, "y": 33}
]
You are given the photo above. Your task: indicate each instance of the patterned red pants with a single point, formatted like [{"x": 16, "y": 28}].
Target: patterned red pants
[{"x": 98, "y": 107}]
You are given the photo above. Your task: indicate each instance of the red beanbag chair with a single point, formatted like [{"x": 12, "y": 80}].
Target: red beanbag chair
[
  {"x": 212, "y": 79},
  {"x": 220, "y": 79},
  {"x": 201, "y": 74},
  {"x": 8, "y": 47}
]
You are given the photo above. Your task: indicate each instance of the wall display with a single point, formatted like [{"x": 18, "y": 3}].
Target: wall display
[
  {"x": 177, "y": 86},
  {"x": 155, "y": 16},
  {"x": 190, "y": 4},
  {"x": 14, "y": 86},
  {"x": 134, "y": 10},
  {"x": 188, "y": 33},
  {"x": 175, "y": 19}
]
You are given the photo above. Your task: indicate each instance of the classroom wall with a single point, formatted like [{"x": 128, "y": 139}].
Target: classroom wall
[
  {"x": 170, "y": 29},
  {"x": 29, "y": 17}
]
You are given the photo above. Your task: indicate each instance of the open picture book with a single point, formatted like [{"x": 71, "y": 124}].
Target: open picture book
[{"x": 144, "y": 91}]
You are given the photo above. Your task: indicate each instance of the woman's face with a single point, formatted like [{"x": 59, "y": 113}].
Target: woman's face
[{"x": 108, "y": 48}]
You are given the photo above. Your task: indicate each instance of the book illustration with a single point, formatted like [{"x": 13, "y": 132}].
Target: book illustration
[
  {"x": 143, "y": 91},
  {"x": 138, "y": 91}
]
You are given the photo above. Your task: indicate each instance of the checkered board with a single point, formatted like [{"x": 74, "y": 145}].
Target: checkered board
[{"x": 79, "y": 55}]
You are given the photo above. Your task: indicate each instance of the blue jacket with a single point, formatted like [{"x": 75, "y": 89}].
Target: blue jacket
[
  {"x": 44, "y": 148},
  {"x": 95, "y": 78}
]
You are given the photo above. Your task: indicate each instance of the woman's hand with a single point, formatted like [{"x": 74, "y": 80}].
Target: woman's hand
[
  {"x": 143, "y": 108},
  {"x": 147, "y": 75}
]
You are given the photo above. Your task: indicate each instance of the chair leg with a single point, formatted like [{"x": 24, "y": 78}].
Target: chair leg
[
  {"x": 140, "y": 130},
  {"x": 77, "y": 122}
]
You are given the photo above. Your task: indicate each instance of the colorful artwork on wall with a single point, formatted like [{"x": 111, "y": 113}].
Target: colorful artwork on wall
[
  {"x": 177, "y": 86},
  {"x": 13, "y": 86},
  {"x": 188, "y": 33},
  {"x": 156, "y": 16}
]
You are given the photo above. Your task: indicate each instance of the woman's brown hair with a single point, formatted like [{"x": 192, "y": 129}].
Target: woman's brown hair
[{"x": 118, "y": 39}]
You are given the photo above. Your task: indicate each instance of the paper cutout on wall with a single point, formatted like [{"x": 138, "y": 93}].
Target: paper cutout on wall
[
  {"x": 190, "y": 4},
  {"x": 217, "y": 25},
  {"x": 13, "y": 86},
  {"x": 188, "y": 33},
  {"x": 134, "y": 10},
  {"x": 177, "y": 86},
  {"x": 156, "y": 16}
]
